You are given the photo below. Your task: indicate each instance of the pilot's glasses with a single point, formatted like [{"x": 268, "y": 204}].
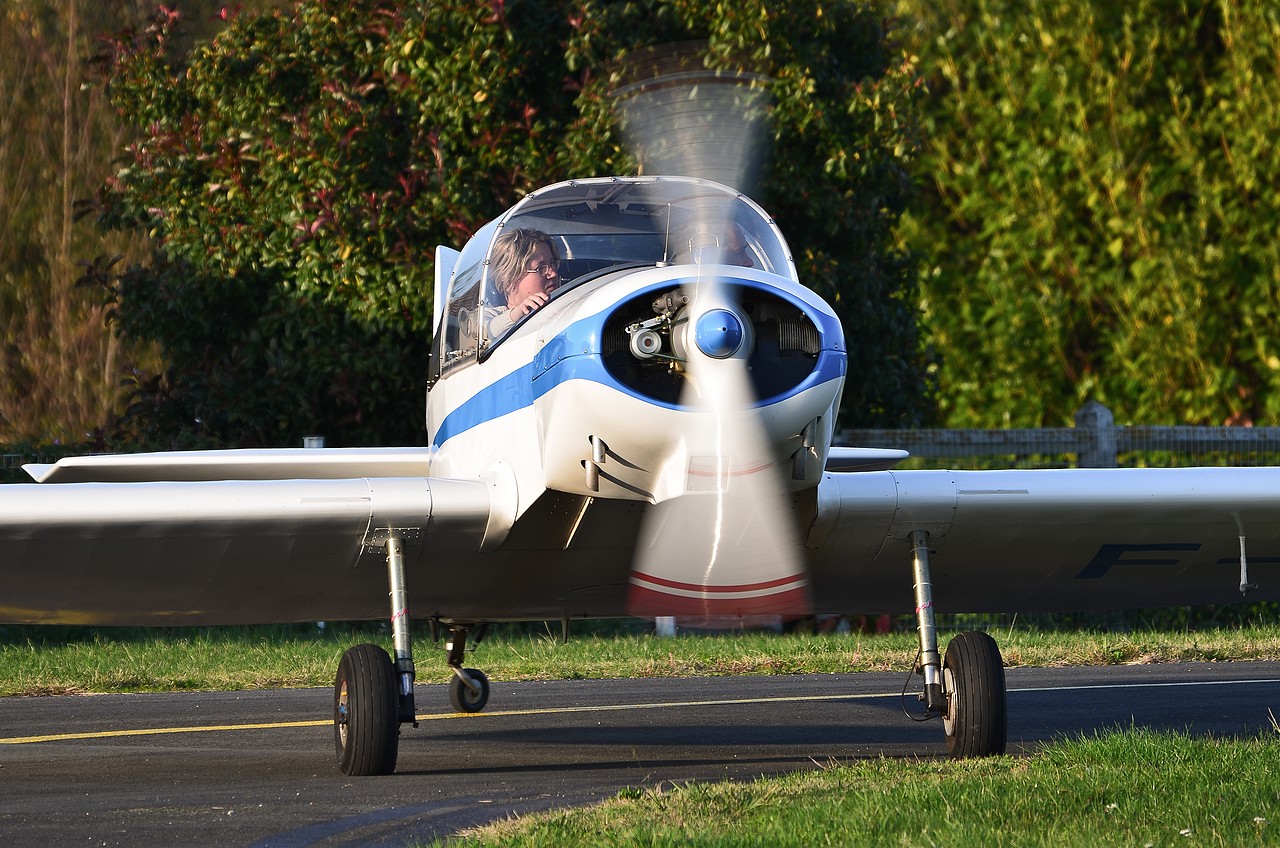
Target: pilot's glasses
[{"x": 544, "y": 269}]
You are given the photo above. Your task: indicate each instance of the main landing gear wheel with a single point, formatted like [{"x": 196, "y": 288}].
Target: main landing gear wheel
[
  {"x": 463, "y": 697},
  {"x": 366, "y": 723},
  {"x": 976, "y": 716}
]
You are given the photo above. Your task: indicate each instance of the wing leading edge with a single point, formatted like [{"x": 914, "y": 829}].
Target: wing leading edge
[
  {"x": 263, "y": 464},
  {"x": 221, "y": 552},
  {"x": 845, "y": 459}
]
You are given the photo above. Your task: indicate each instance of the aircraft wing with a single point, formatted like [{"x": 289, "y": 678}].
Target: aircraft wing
[
  {"x": 201, "y": 550},
  {"x": 215, "y": 545},
  {"x": 1048, "y": 540}
]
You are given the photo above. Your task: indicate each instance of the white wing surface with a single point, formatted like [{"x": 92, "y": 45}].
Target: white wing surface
[
  {"x": 1048, "y": 540},
  {"x": 203, "y": 551}
]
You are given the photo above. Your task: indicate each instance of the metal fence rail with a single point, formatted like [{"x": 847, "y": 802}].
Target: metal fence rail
[{"x": 1094, "y": 442}]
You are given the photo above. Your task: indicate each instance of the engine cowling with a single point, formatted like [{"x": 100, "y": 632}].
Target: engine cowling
[{"x": 629, "y": 379}]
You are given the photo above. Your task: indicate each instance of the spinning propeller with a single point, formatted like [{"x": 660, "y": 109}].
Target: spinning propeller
[{"x": 721, "y": 541}]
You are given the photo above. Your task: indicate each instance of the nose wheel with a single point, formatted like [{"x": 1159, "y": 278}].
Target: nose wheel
[
  {"x": 468, "y": 690},
  {"x": 469, "y": 687}
]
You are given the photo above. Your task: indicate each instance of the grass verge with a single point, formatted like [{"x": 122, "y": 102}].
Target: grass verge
[
  {"x": 35, "y": 661},
  {"x": 1133, "y": 788}
]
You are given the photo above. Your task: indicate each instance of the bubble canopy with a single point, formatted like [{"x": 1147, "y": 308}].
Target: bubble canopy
[{"x": 603, "y": 224}]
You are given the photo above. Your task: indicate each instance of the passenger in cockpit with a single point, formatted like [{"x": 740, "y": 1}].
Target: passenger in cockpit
[
  {"x": 524, "y": 270},
  {"x": 736, "y": 249}
]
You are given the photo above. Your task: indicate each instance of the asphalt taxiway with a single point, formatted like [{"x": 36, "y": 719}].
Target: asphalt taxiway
[{"x": 258, "y": 768}]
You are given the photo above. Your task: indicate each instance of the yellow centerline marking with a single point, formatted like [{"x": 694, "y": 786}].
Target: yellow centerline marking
[
  {"x": 154, "y": 731},
  {"x": 222, "y": 728}
]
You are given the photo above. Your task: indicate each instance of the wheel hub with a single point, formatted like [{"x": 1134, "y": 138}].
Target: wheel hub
[
  {"x": 948, "y": 693},
  {"x": 342, "y": 714}
]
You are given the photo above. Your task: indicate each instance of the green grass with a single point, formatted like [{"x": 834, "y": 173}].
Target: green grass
[
  {"x": 53, "y": 660},
  {"x": 1135, "y": 788}
]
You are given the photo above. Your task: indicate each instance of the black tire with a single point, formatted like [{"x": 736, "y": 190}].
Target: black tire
[
  {"x": 463, "y": 699},
  {"x": 366, "y": 713},
  {"x": 977, "y": 720}
]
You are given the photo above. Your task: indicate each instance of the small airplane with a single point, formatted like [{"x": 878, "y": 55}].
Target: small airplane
[{"x": 651, "y": 435}]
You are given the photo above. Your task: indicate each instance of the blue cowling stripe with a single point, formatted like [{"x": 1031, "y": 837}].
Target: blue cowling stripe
[
  {"x": 575, "y": 354},
  {"x": 521, "y": 388}
]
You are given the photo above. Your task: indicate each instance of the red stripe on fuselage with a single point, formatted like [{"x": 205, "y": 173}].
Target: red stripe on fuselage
[
  {"x": 791, "y": 579},
  {"x": 645, "y": 602}
]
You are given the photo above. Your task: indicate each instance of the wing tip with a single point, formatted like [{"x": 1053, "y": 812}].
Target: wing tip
[{"x": 39, "y": 471}]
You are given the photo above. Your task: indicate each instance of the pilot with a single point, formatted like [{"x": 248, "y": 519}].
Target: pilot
[{"x": 525, "y": 270}]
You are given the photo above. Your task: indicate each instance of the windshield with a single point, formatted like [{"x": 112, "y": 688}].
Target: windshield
[{"x": 568, "y": 233}]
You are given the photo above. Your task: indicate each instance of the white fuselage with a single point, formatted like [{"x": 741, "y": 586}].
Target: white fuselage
[{"x": 537, "y": 408}]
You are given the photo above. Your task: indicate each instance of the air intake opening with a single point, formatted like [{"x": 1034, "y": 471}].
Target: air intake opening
[{"x": 784, "y": 352}]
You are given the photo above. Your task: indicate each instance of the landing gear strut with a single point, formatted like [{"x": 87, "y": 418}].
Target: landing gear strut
[
  {"x": 372, "y": 696},
  {"x": 966, "y": 689}
]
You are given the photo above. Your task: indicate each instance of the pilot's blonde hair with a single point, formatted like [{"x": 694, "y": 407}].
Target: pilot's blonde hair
[{"x": 511, "y": 254}]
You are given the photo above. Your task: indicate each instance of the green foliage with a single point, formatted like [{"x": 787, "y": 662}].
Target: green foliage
[
  {"x": 262, "y": 365},
  {"x": 273, "y": 168},
  {"x": 1101, "y": 214},
  {"x": 298, "y": 169}
]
